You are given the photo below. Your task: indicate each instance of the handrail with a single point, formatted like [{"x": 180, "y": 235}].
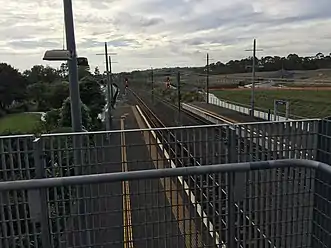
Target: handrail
[{"x": 161, "y": 173}]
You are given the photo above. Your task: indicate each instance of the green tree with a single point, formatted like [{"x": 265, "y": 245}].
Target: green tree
[
  {"x": 12, "y": 86},
  {"x": 97, "y": 75},
  {"x": 65, "y": 115},
  {"x": 37, "y": 93},
  {"x": 83, "y": 71},
  {"x": 92, "y": 96},
  {"x": 58, "y": 92},
  {"x": 52, "y": 119},
  {"x": 64, "y": 71},
  {"x": 96, "y": 71},
  {"x": 39, "y": 73}
]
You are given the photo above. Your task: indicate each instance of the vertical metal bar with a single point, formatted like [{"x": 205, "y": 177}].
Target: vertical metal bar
[
  {"x": 5, "y": 230},
  {"x": 287, "y": 114},
  {"x": 275, "y": 110},
  {"x": 39, "y": 167},
  {"x": 85, "y": 237},
  {"x": 231, "y": 212},
  {"x": 231, "y": 200},
  {"x": 76, "y": 115}
]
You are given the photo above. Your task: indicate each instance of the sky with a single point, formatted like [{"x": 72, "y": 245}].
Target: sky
[{"x": 164, "y": 33}]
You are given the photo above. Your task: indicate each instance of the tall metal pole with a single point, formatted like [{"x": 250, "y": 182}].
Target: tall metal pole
[
  {"x": 179, "y": 98},
  {"x": 108, "y": 86},
  {"x": 76, "y": 114},
  {"x": 253, "y": 79},
  {"x": 111, "y": 80},
  {"x": 152, "y": 78},
  {"x": 207, "y": 79}
]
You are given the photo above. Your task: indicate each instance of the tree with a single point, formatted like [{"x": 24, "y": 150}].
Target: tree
[
  {"x": 52, "y": 119},
  {"x": 12, "y": 86},
  {"x": 83, "y": 71},
  {"x": 37, "y": 92},
  {"x": 92, "y": 96},
  {"x": 65, "y": 115},
  {"x": 97, "y": 75},
  {"x": 39, "y": 73},
  {"x": 58, "y": 92},
  {"x": 97, "y": 71},
  {"x": 64, "y": 71}
]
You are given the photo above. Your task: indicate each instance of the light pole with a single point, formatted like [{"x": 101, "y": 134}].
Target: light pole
[
  {"x": 76, "y": 114},
  {"x": 70, "y": 55}
]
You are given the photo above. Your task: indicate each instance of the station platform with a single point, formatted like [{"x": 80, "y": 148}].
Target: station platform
[
  {"x": 148, "y": 213},
  {"x": 229, "y": 114}
]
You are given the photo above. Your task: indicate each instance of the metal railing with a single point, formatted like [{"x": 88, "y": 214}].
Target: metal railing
[
  {"x": 150, "y": 208},
  {"x": 267, "y": 203}
]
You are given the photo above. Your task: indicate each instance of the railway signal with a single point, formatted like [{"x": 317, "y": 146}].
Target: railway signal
[
  {"x": 168, "y": 82},
  {"x": 126, "y": 83}
]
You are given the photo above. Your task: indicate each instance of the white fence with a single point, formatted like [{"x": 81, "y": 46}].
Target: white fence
[{"x": 259, "y": 114}]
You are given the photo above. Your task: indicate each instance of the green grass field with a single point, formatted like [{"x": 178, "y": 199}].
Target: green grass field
[
  {"x": 304, "y": 103},
  {"x": 22, "y": 123}
]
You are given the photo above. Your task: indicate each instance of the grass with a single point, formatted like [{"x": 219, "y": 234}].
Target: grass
[
  {"x": 22, "y": 123},
  {"x": 303, "y": 103}
]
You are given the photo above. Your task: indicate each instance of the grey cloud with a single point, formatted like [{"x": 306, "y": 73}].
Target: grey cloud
[
  {"x": 131, "y": 21},
  {"x": 145, "y": 22},
  {"x": 32, "y": 44},
  {"x": 169, "y": 30},
  {"x": 214, "y": 40},
  {"x": 118, "y": 42}
]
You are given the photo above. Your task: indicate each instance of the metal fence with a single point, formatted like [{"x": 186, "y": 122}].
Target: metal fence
[
  {"x": 152, "y": 208},
  {"x": 272, "y": 208}
]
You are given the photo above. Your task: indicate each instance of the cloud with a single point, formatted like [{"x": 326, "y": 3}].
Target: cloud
[{"x": 160, "y": 33}]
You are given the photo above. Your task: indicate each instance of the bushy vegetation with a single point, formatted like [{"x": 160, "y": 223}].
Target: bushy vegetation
[
  {"x": 46, "y": 89},
  {"x": 171, "y": 95}
]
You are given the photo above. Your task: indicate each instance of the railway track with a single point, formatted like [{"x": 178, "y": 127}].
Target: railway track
[{"x": 210, "y": 189}]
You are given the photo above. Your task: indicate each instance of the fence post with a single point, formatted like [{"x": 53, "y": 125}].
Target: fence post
[
  {"x": 42, "y": 202},
  {"x": 231, "y": 189},
  {"x": 269, "y": 115}
]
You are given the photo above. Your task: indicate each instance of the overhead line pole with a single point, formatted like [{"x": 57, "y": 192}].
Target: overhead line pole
[
  {"x": 253, "y": 78},
  {"x": 111, "y": 80},
  {"x": 109, "y": 85},
  {"x": 179, "y": 99},
  {"x": 207, "y": 79},
  {"x": 152, "y": 78}
]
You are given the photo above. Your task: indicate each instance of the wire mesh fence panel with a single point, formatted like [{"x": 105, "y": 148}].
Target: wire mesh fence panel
[
  {"x": 79, "y": 154},
  {"x": 265, "y": 208},
  {"x": 16, "y": 157},
  {"x": 177, "y": 207}
]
